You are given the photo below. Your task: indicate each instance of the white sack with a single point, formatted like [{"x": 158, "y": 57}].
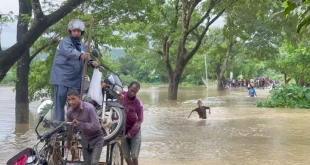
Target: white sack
[{"x": 95, "y": 87}]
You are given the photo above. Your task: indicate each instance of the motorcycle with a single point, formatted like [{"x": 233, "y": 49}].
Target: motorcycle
[{"x": 110, "y": 111}]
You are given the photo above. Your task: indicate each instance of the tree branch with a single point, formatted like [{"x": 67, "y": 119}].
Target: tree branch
[
  {"x": 176, "y": 17},
  {"x": 166, "y": 48},
  {"x": 192, "y": 7},
  {"x": 0, "y": 36},
  {"x": 207, "y": 14},
  {"x": 167, "y": 44},
  {"x": 64, "y": 10},
  {"x": 194, "y": 50},
  {"x": 216, "y": 17},
  {"x": 158, "y": 52},
  {"x": 0, "y": 40},
  {"x": 37, "y": 10},
  {"x": 42, "y": 48}
]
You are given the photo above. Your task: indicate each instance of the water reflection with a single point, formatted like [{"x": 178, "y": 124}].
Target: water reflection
[{"x": 21, "y": 129}]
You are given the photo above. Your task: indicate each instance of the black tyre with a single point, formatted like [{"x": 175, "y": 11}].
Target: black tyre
[{"x": 113, "y": 123}]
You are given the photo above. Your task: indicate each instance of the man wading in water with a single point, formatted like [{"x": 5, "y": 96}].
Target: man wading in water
[{"x": 201, "y": 110}]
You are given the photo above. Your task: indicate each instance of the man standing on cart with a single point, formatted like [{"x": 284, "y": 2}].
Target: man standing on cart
[
  {"x": 134, "y": 117},
  {"x": 67, "y": 66}
]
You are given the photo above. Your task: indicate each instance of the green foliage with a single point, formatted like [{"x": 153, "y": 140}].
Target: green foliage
[
  {"x": 294, "y": 61},
  {"x": 39, "y": 86},
  {"x": 6, "y": 18},
  {"x": 9, "y": 79},
  {"x": 127, "y": 79},
  {"x": 290, "y": 96},
  {"x": 300, "y": 8}
]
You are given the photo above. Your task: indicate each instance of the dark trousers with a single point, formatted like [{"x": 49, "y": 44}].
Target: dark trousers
[
  {"x": 60, "y": 99},
  {"x": 92, "y": 156}
]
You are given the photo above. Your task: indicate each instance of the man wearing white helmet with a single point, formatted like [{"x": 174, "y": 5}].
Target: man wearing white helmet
[{"x": 67, "y": 67}]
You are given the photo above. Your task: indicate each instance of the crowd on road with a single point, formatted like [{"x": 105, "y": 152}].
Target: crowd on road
[{"x": 257, "y": 82}]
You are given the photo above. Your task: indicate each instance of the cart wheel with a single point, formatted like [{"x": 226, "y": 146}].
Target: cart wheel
[{"x": 116, "y": 156}]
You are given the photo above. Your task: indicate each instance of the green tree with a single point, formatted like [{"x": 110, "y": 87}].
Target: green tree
[
  {"x": 175, "y": 30},
  {"x": 299, "y": 8},
  {"x": 294, "y": 62}
]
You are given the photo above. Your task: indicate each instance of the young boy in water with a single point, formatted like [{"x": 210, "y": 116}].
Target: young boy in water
[{"x": 201, "y": 110}]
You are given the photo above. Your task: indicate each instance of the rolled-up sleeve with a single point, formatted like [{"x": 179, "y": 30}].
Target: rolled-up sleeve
[
  {"x": 66, "y": 48},
  {"x": 136, "y": 127}
]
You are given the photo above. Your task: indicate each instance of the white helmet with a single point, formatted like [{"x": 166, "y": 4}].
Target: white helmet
[{"x": 76, "y": 24}]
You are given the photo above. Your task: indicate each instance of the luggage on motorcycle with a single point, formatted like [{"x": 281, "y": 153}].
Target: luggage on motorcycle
[
  {"x": 95, "y": 87},
  {"x": 23, "y": 158}
]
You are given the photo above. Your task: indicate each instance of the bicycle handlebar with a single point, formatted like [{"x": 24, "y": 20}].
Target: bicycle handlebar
[{"x": 55, "y": 130}]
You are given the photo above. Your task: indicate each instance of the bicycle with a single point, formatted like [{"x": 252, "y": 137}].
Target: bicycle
[{"x": 50, "y": 153}]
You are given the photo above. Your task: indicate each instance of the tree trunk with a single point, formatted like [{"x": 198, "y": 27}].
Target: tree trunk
[
  {"x": 23, "y": 64},
  {"x": 220, "y": 83},
  {"x": 183, "y": 55},
  {"x": 301, "y": 81},
  {"x": 286, "y": 80},
  {"x": 0, "y": 39},
  {"x": 173, "y": 89},
  {"x": 220, "y": 70},
  {"x": 174, "y": 85},
  {"x": 21, "y": 98}
]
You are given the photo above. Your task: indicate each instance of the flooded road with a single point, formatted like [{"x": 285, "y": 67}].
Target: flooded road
[{"x": 236, "y": 132}]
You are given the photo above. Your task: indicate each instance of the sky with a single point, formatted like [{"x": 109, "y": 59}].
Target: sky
[{"x": 8, "y": 35}]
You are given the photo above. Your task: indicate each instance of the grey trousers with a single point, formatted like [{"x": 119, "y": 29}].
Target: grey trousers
[
  {"x": 60, "y": 99},
  {"x": 92, "y": 156},
  {"x": 131, "y": 147}
]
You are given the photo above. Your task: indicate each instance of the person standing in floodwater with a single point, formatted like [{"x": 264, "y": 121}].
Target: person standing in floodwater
[
  {"x": 201, "y": 110},
  {"x": 131, "y": 143},
  {"x": 252, "y": 92}
]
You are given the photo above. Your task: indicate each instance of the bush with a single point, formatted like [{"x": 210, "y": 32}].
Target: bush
[
  {"x": 290, "y": 96},
  {"x": 127, "y": 79},
  {"x": 9, "y": 79}
]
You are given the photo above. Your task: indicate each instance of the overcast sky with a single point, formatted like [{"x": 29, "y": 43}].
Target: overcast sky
[{"x": 8, "y": 36}]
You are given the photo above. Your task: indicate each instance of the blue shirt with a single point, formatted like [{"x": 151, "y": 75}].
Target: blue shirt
[{"x": 67, "y": 67}]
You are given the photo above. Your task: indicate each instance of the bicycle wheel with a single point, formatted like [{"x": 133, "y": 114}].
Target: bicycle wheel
[
  {"x": 116, "y": 156},
  {"x": 53, "y": 154},
  {"x": 113, "y": 123}
]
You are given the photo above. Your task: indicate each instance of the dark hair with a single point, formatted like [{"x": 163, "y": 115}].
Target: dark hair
[
  {"x": 199, "y": 101},
  {"x": 74, "y": 92},
  {"x": 134, "y": 83}
]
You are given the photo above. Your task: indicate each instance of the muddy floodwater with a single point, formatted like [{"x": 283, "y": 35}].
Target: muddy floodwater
[{"x": 236, "y": 132}]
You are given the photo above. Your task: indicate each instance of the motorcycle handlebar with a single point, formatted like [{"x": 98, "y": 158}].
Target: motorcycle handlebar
[{"x": 103, "y": 67}]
